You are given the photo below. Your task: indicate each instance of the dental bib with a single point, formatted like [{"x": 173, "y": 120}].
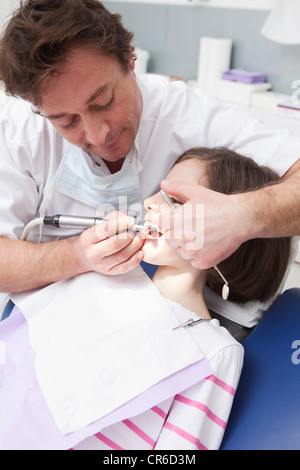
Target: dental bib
[{"x": 102, "y": 342}]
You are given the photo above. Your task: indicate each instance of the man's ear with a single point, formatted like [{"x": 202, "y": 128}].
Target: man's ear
[{"x": 131, "y": 63}]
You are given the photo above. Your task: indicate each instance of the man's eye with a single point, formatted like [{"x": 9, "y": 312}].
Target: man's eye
[
  {"x": 105, "y": 106},
  {"x": 70, "y": 125}
]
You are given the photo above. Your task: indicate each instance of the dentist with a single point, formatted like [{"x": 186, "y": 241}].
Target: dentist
[{"x": 88, "y": 134}]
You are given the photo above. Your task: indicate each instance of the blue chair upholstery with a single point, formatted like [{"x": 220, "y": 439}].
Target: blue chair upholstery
[
  {"x": 7, "y": 311},
  {"x": 148, "y": 268},
  {"x": 266, "y": 411}
]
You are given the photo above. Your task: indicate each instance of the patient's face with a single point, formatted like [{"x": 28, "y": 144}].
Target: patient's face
[{"x": 157, "y": 250}]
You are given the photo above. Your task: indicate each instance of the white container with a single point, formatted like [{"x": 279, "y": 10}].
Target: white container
[
  {"x": 141, "y": 62},
  {"x": 214, "y": 59}
]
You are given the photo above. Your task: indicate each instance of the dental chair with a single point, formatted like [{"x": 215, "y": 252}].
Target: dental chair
[
  {"x": 266, "y": 410},
  {"x": 8, "y": 309}
]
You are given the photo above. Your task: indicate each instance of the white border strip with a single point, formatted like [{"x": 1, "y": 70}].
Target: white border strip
[{"x": 237, "y": 4}]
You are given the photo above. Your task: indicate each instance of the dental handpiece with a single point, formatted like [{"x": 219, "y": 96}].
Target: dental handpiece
[
  {"x": 80, "y": 222},
  {"x": 74, "y": 221}
]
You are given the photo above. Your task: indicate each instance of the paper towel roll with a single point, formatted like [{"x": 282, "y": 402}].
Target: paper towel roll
[{"x": 214, "y": 59}]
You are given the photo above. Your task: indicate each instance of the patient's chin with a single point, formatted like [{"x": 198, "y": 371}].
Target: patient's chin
[
  {"x": 151, "y": 251},
  {"x": 157, "y": 251}
]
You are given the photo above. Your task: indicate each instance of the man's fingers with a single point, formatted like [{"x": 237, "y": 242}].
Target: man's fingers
[
  {"x": 116, "y": 223},
  {"x": 124, "y": 259},
  {"x": 179, "y": 190},
  {"x": 128, "y": 265}
]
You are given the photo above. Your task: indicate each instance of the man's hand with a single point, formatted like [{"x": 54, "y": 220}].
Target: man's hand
[
  {"x": 109, "y": 247},
  {"x": 207, "y": 228},
  {"x": 225, "y": 222}
]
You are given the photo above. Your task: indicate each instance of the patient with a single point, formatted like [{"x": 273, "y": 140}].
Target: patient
[
  {"x": 196, "y": 418},
  {"x": 254, "y": 272}
]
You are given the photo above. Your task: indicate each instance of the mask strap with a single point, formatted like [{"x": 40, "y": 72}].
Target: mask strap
[{"x": 225, "y": 289}]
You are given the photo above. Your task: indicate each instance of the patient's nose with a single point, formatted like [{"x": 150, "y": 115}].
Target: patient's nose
[{"x": 153, "y": 202}]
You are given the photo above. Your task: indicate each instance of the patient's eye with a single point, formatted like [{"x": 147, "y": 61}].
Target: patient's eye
[{"x": 173, "y": 199}]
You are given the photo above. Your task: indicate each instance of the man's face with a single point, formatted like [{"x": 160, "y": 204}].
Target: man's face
[{"x": 94, "y": 104}]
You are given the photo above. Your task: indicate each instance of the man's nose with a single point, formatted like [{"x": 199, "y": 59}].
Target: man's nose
[{"x": 95, "y": 131}]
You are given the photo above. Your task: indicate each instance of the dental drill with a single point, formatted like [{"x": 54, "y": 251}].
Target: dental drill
[{"x": 79, "y": 222}]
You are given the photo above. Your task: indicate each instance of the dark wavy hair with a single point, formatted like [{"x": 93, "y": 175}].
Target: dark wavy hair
[
  {"x": 41, "y": 33},
  {"x": 256, "y": 270}
]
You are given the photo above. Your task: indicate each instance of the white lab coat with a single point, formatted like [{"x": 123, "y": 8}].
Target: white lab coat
[{"x": 175, "y": 118}]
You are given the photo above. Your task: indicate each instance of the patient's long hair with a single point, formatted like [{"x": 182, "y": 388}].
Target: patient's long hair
[{"x": 256, "y": 270}]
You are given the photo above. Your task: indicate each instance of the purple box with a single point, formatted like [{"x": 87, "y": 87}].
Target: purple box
[{"x": 240, "y": 75}]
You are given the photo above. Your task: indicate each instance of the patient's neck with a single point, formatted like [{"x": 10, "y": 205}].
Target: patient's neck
[{"x": 183, "y": 286}]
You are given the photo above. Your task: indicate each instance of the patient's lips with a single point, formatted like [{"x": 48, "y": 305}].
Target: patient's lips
[
  {"x": 149, "y": 231},
  {"x": 154, "y": 213}
]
